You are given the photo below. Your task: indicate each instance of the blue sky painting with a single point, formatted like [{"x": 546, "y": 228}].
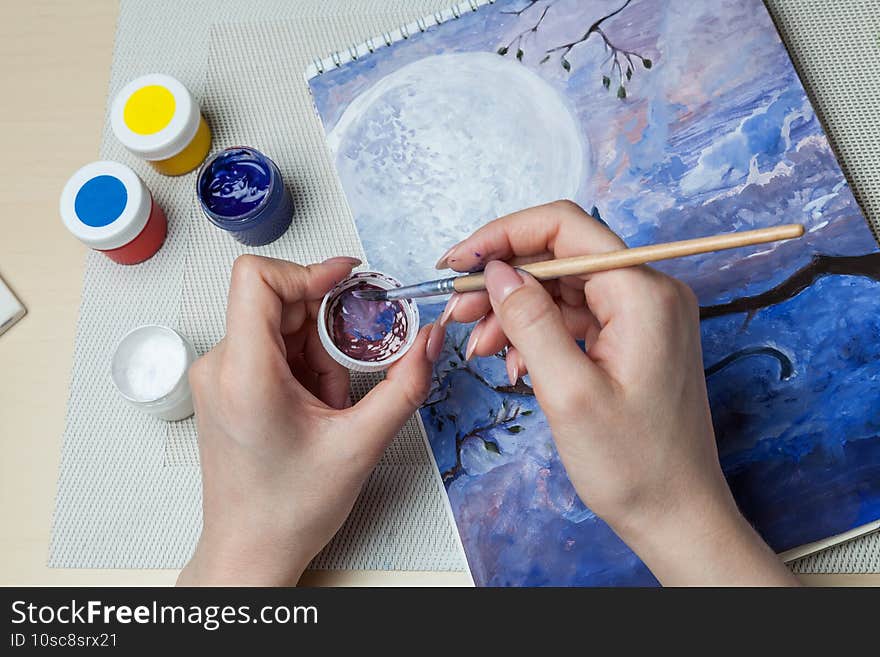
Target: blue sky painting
[{"x": 673, "y": 119}]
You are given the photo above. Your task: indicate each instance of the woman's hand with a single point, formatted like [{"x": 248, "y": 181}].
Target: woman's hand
[
  {"x": 630, "y": 418},
  {"x": 283, "y": 452}
]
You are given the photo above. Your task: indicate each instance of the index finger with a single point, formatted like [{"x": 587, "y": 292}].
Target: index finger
[
  {"x": 265, "y": 292},
  {"x": 560, "y": 228}
]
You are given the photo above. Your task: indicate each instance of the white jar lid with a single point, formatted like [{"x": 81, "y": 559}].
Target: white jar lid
[
  {"x": 105, "y": 205},
  {"x": 155, "y": 117}
]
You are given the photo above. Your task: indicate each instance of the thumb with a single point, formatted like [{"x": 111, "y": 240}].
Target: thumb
[
  {"x": 387, "y": 407},
  {"x": 533, "y": 323}
]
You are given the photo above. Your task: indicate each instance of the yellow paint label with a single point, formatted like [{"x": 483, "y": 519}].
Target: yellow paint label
[{"x": 149, "y": 110}]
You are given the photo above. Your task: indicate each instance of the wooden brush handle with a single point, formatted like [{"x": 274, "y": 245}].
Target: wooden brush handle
[{"x": 587, "y": 264}]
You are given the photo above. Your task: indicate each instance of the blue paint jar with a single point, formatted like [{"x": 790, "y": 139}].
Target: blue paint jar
[{"x": 241, "y": 191}]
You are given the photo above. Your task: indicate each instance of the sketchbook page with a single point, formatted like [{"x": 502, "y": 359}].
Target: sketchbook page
[
  {"x": 670, "y": 119},
  {"x": 822, "y": 544}
]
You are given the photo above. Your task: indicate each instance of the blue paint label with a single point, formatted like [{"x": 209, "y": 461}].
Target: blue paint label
[{"x": 100, "y": 201}]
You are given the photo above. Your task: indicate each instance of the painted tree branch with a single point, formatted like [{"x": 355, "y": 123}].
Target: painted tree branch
[
  {"x": 519, "y": 37},
  {"x": 461, "y": 364},
  {"x": 821, "y": 265},
  {"x": 502, "y": 420},
  {"x": 520, "y": 12},
  {"x": 621, "y": 61},
  {"x": 786, "y": 367}
]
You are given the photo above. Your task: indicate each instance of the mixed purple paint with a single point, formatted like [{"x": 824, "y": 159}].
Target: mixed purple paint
[{"x": 368, "y": 331}]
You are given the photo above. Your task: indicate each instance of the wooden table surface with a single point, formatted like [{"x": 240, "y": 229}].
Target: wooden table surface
[{"x": 56, "y": 59}]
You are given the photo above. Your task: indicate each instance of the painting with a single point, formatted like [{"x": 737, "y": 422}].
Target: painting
[{"x": 668, "y": 119}]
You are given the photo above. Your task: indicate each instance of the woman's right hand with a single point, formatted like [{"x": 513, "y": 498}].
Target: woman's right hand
[{"x": 630, "y": 417}]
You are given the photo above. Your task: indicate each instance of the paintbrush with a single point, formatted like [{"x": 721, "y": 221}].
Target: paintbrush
[{"x": 587, "y": 264}]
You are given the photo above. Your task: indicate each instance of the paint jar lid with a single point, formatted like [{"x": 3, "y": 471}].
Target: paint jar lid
[
  {"x": 105, "y": 205},
  {"x": 155, "y": 116},
  {"x": 329, "y": 308},
  {"x": 149, "y": 369}
]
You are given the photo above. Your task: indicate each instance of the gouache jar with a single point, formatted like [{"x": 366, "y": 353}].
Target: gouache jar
[
  {"x": 109, "y": 208},
  {"x": 242, "y": 192},
  {"x": 156, "y": 118},
  {"x": 366, "y": 336},
  {"x": 150, "y": 370}
]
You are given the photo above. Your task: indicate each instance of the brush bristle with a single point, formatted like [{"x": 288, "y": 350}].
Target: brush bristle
[{"x": 369, "y": 295}]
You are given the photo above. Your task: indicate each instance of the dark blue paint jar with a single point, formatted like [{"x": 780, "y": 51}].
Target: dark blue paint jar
[{"x": 241, "y": 191}]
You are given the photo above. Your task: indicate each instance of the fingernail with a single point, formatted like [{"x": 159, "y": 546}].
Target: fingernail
[
  {"x": 450, "y": 308},
  {"x": 512, "y": 369},
  {"x": 473, "y": 340},
  {"x": 441, "y": 263},
  {"x": 501, "y": 280},
  {"x": 342, "y": 260},
  {"x": 435, "y": 342}
]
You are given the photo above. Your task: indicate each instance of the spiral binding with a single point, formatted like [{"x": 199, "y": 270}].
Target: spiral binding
[{"x": 356, "y": 51}]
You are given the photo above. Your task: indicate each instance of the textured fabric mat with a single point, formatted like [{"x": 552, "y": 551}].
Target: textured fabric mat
[
  {"x": 128, "y": 492},
  {"x": 399, "y": 521}
]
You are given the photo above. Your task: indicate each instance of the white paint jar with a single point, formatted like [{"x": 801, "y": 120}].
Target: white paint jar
[
  {"x": 364, "y": 352},
  {"x": 149, "y": 369}
]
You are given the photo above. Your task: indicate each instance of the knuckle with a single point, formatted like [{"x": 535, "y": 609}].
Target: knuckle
[
  {"x": 566, "y": 206},
  {"x": 666, "y": 293},
  {"x": 417, "y": 392},
  {"x": 238, "y": 385},
  {"x": 245, "y": 266},
  {"x": 639, "y": 281},
  {"x": 523, "y": 309},
  {"x": 414, "y": 392},
  {"x": 570, "y": 400},
  {"x": 668, "y": 297},
  {"x": 673, "y": 303},
  {"x": 688, "y": 297}
]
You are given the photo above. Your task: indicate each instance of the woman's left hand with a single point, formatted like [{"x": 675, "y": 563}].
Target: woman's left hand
[{"x": 283, "y": 452}]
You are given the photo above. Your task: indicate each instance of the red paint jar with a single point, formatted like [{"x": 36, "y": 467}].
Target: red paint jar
[{"x": 109, "y": 208}]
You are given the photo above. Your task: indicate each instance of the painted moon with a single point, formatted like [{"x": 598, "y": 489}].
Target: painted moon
[{"x": 441, "y": 146}]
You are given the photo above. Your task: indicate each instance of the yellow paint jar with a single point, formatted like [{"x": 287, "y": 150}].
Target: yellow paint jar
[{"x": 156, "y": 118}]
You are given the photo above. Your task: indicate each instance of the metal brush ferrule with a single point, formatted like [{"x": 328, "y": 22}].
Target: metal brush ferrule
[{"x": 426, "y": 289}]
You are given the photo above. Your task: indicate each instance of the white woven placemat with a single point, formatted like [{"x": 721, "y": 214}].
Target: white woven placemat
[{"x": 128, "y": 493}]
